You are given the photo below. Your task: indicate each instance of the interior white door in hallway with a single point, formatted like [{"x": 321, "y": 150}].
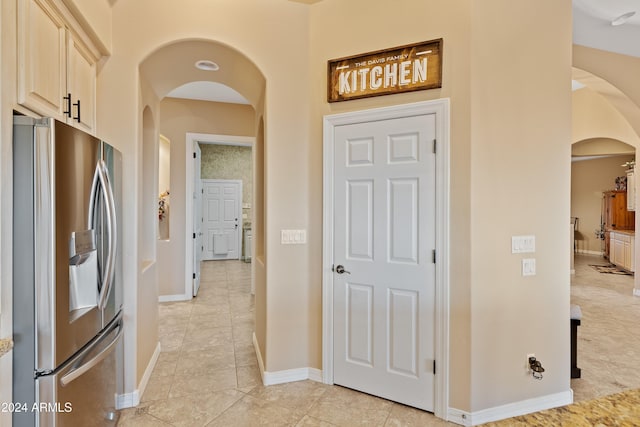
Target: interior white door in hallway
[
  {"x": 222, "y": 218},
  {"x": 384, "y": 258}
]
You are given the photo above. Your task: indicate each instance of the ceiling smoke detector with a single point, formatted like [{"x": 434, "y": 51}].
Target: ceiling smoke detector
[
  {"x": 207, "y": 65},
  {"x": 622, "y": 19}
]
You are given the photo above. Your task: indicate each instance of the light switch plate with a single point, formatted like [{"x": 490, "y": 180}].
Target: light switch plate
[
  {"x": 529, "y": 267},
  {"x": 293, "y": 237},
  {"x": 523, "y": 244}
]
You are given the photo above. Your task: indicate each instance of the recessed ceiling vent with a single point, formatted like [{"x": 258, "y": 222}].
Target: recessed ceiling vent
[{"x": 207, "y": 65}]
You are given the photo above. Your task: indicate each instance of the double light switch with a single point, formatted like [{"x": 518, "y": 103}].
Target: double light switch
[{"x": 525, "y": 245}]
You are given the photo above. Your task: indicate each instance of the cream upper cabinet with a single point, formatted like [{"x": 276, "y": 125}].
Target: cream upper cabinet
[
  {"x": 631, "y": 190},
  {"x": 56, "y": 68},
  {"x": 81, "y": 84}
]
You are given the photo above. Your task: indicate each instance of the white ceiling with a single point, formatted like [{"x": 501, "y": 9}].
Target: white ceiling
[
  {"x": 208, "y": 91},
  {"x": 591, "y": 27}
]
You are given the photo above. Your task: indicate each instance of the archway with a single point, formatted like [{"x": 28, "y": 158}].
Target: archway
[
  {"x": 233, "y": 70},
  {"x": 602, "y": 112},
  {"x": 169, "y": 67},
  {"x": 604, "y": 142}
]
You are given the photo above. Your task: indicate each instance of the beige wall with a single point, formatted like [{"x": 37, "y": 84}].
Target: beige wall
[
  {"x": 589, "y": 178},
  {"x": 164, "y": 186},
  {"x": 95, "y": 17},
  {"x": 520, "y": 184},
  {"x": 229, "y": 162},
  {"x": 617, "y": 71},
  {"x": 593, "y": 116},
  {"x": 146, "y": 297}
]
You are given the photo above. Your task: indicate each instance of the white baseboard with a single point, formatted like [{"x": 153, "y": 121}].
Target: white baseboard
[
  {"x": 147, "y": 372},
  {"x": 174, "y": 298},
  {"x": 286, "y": 376},
  {"x": 459, "y": 417},
  {"x": 510, "y": 410},
  {"x": 256, "y": 347},
  {"x": 291, "y": 375},
  {"x": 585, "y": 252},
  {"x": 129, "y": 400}
]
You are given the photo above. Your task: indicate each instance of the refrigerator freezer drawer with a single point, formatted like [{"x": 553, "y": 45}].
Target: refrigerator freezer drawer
[{"x": 83, "y": 391}]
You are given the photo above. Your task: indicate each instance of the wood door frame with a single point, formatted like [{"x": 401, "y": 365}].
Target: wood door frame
[
  {"x": 440, "y": 108},
  {"x": 229, "y": 181},
  {"x": 204, "y": 138}
]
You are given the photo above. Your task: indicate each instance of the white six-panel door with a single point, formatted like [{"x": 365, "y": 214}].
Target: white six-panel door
[
  {"x": 384, "y": 238},
  {"x": 222, "y": 219}
]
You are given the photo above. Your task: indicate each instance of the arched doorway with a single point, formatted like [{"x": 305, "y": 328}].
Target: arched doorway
[
  {"x": 169, "y": 67},
  {"x": 604, "y": 145},
  {"x": 183, "y": 56}
]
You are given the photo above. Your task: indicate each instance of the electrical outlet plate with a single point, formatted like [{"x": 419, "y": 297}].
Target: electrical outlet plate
[{"x": 527, "y": 361}]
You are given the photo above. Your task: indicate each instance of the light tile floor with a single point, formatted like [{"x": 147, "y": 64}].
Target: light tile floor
[
  {"x": 609, "y": 336},
  {"x": 207, "y": 373}
]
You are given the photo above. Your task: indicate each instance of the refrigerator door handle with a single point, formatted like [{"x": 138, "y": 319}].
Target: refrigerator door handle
[
  {"x": 92, "y": 198},
  {"x": 101, "y": 180},
  {"x": 85, "y": 367},
  {"x": 113, "y": 233}
]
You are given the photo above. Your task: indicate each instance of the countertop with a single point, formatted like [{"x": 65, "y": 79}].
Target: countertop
[
  {"x": 5, "y": 346},
  {"x": 627, "y": 232}
]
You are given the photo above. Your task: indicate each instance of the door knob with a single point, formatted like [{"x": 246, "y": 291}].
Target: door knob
[{"x": 340, "y": 270}]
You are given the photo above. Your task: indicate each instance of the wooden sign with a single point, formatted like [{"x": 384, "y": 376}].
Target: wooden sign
[{"x": 401, "y": 69}]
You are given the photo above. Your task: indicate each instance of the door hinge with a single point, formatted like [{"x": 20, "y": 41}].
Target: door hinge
[
  {"x": 194, "y": 155},
  {"x": 435, "y": 143},
  {"x": 194, "y": 235},
  {"x": 434, "y": 366},
  {"x": 434, "y": 256},
  {"x": 194, "y": 276}
]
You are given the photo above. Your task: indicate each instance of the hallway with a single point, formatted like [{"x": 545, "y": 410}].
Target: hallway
[{"x": 207, "y": 373}]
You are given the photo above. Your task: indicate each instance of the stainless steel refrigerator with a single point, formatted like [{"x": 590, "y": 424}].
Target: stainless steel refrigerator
[{"x": 67, "y": 276}]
